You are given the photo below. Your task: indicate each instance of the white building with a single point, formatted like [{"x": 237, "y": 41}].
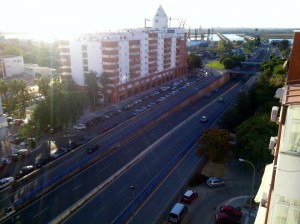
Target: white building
[
  {"x": 11, "y": 65},
  {"x": 133, "y": 60},
  {"x": 279, "y": 193},
  {"x": 34, "y": 70}
]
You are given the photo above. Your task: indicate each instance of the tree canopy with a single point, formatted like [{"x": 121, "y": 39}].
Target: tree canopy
[{"x": 215, "y": 145}]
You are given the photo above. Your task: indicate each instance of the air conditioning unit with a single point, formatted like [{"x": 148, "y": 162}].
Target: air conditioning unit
[
  {"x": 274, "y": 113},
  {"x": 273, "y": 141}
]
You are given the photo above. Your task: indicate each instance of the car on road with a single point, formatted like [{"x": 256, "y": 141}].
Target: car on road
[
  {"x": 5, "y": 161},
  {"x": 203, "y": 119},
  {"x": 230, "y": 210},
  {"x": 224, "y": 218},
  {"x": 24, "y": 171},
  {"x": 79, "y": 127},
  {"x": 220, "y": 100},
  {"x": 189, "y": 196},
  {"x": 23, "y": 152},
  {"x": 4, "y": 182},
  {"x": 60, "y": 152},
  {"x": 92, "y": 148},
  {"x": 43, "y": 161},
  {"x": 215, "y": 182}
]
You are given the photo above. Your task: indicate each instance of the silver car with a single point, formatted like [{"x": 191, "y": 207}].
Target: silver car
[{"x": 215, "y": 182}]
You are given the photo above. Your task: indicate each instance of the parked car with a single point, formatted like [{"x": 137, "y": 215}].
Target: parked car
[
  {"x": 4, "y": 182},
  {"x": 43, "y": 161},
  {"x": 203, "y": 119},
  {"x": 79, "y": 127},
  {"x": 230, "y": 210},
  {"x": 224, "y": 218},
  {"x": 215, "y": 182},
  {"x": 72, "y": 145},
  {"x": 83, "y": 140},
  {"x": 24, "y": 171},
  {"x": 60, "y": 152},
  {"x": 189, "y": 196},
  {"x": 5, "y": 161},
  {"x": 23, "y": 152},
  {"x": 92, "y": 148},
  {"x": 15, "y": 157},
  {"x": 208, "y": 95}
]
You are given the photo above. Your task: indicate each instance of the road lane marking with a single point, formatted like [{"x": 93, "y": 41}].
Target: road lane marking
[
  {"x": 129, "y": 150},
  {"x": 123, "y": 189},
  {"x": 76, "y": 187},
  {"x": 40, "y": 213},
  {"x": 100, "y": 210},
  {"x": 104, "y": 168}
]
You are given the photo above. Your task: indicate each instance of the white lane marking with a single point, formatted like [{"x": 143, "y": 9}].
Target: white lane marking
[
  {"x": 100, "y": 210},
  {"x": 40, "y": 213},
  {"x": 104, "y": 168},
  {"x": 76, "y": 187},
  {"x": 129, "y": 150},
  {"x": 123, "y": 189}
]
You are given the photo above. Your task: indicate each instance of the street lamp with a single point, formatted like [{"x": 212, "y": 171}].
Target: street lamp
[
  {"x": 132, "y": 188},
  {"x": 243, "y": 160}
]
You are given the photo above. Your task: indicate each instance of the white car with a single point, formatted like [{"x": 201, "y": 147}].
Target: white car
[
  {"x": 4, "y": 182},
  {"x": 5, "y": 161},
  {"x": 79, "y": 127},
  {"x": 203, "y": 119}
]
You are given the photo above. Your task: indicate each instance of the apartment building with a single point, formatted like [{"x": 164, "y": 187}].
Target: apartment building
[
  {"x": 130, "y": 61},
  {"x": 11, "y": 65},
  {"x": 279, "y": 193}
]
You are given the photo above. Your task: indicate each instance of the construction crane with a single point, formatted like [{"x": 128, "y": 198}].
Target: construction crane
[{"x": 202, "y": 35}]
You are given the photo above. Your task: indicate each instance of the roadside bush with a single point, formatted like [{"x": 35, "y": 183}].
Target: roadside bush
[{"x": 197, "y": 179}]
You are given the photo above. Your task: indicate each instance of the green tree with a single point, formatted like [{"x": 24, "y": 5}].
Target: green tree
[
  {"x": 194, "y": 61},
  {"x": 215, "y": 145},
  {"x": 253, "y": 137},
  {"x": 3, "y": 88},
  {"x": 91, "y": 86},
  {"x": 43, "y": 84}
]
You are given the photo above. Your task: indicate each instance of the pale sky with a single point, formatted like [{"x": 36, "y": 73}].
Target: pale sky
[{"x": 57, "y": 18}]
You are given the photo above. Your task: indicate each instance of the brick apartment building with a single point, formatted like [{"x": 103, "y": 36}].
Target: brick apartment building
[{"x": 132, "y": 61}]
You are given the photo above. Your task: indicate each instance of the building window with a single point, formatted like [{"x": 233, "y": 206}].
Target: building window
[
  {"x": 84, "y": 47},
  {"x": 294, "y": 130}
]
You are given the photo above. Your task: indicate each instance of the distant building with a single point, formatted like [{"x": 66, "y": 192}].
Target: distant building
[
  {"x": 11, "y": 65},
  {"x": 132, "y": 61},
  {"x": 279, "y": 194},
  {"x": 37, "y": 71}
]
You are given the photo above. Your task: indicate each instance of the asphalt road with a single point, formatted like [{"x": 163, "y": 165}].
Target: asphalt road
[{"x": 47, "y": 207}]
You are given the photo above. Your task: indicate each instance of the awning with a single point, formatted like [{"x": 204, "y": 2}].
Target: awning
[{"x": 264, "y": 188}]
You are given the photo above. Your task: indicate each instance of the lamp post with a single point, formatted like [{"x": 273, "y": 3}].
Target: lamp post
[
  {"x": 132, "y": 188},
  {"x": 243, "y": 160}
]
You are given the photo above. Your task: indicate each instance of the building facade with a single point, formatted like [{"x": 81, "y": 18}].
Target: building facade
[
  {"x": 130, "y": 61},
  {"x": 11, "y": 65},
  {"x": 279, "y": 194}
]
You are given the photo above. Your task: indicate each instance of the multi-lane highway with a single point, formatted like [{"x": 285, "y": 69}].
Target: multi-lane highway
[{"x": 161, "y": 145}]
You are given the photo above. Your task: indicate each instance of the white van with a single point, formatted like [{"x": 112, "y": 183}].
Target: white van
[{"x": 177, "y": 213}]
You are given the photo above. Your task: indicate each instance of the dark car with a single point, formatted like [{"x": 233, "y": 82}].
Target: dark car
[
  {"x": 60, "y": 152},
  {"x": 189, "y": 196},
  {"x": 15, "y": 157},
  {"x": 24, "y": 171},
  {"x": 43, "y": 161},
  {"x": 83, "y": 140},
  {"x": 92, "y": 148},
  {"x": 230, "y": 210},
  {"x": 224, "y": 218},
  {"x": 72, "y": 145}
]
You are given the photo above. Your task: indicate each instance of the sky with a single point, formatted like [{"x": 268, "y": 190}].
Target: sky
[{"x": 62, "y": 18}]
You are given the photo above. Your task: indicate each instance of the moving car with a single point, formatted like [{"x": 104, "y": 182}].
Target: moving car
[
  {"x": 204, "y": 119},
  {"x": 79, "y": 127},
  {"x": 189, "y": 196},
  {"x": 215, "y": 182},
  {"x": 92, "y": 148},
  {"x": 220, "y": 100},
  {"x": 4, "y": 182},
  {"x": 230, "y": 210},
  {"x": 24, "y": 171},
  {"x": 224, "y": 218}
]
